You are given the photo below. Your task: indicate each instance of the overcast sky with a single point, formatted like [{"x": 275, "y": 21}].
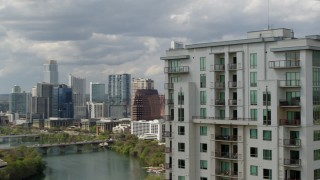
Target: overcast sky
[{"x": 95, "y": 38}]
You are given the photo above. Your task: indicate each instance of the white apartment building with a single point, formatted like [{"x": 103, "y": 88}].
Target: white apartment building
[
  {"x": 143, "y": 127},
  {"x": 96, "y": 110},
  {"x": 244, "y": 109}
]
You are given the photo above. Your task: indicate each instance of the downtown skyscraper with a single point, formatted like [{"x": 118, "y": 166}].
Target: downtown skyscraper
[
  {"x": 50, "y": 72},
  {"x": 78, "y": 86}
]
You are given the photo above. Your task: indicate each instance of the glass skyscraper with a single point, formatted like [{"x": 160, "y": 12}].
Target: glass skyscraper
[{"x": 50, "y": 72}]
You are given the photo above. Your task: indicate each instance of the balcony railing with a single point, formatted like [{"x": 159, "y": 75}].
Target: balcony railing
[
  {"x": 289, "y": 83},
  {"x": 217, "y": 67},
  {"x": 292, "y": 178},
  {"x": 227, "y": 138},
  {"x": 232, "y": 66},
  {"x": 217, "y": 85},
  {"x": 168, "y": 166},
  {"x": 284, "y": 64},
  {"x": 169, "y": 101},
  {"x": 232, "y": 84},
  {"x": 294, "y": 102},
  {"x": 226, "y": 173},
  {"x": 167, "y": 150},
  {"x": 220, "y": 102},
  {"x": 167, "y": 134},
  {"x": 168, "y": 85},
  {"x": 178, "y": 69},
  {"x": 168, "y": 118},
  {"x": 232, "y": 102},
  {"x": 292, "y": 162},
  {"x": 224, "y": 118},
  {"x": 226, "y": 155},
  {"x": 292, "y": 142},
  {"x": 287, "y": 122}
]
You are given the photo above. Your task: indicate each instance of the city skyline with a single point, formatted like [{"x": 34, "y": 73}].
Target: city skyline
[{"x": 93, "y": 39}]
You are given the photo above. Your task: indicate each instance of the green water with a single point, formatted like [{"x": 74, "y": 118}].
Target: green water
[{"x": 105, "y": 165}]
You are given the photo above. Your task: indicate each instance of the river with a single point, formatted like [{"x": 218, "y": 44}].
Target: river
[{"x": 103, "y": 165}]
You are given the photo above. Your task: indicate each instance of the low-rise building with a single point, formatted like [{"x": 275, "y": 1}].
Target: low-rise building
[
  {"x": 122, "y": 128},
  {"x": 54, "y": 122},
  {"x": 142, "y": 127}
]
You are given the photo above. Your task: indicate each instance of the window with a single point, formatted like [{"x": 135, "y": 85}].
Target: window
[
  {"x": 203, "y": 164},
  {"x": 316, "y": 154},
  {"x": 202, "y": 63},
  {"x": 292, "y": 78},
  {"x": 181, "y": 178},
  {"x": 180, "y": 98},
  {"x": 203, "y": 178},
  {"x": 293, "y": 55},
  {"x": 225, "y": 131},
  {"x": 267, "y": 154},
  {"x": 253, "y": 60},
  {"x": 222, "y": 113},
  {"x": 253, "y": 114},
  {"x": 203, "y": 147},
  {"x": 180, "y": 114},
  {"x": 203, "y": 81},
  {"x": 316, "y": 135},
  {"x": 203, "y": 112},
  {"x": 253, "y": 152},
  {"x": 181, "y": 147},
  {"x": 253, "y": 97},
  {"x": 180, "y": 130},
  {"x": 254, "y": 170},
  {"x": 253, "y": 79},
  {"x": 203, "y": 99},
  {"x": 267, "y": 117},
  {"x": 203, "y": 130},
  {"x": 181, "y": 163},
  {"x": 253, "y": 134},
  {"x": 267, "y": 173},
  {"x": 267, "y": 135},
  {"x": 266, "y": 98},
  {"x": 317, "y": 174}
]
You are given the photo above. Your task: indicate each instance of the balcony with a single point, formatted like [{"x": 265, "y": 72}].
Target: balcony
[
  {"x": 292, "y": 162},
  {"x": 167, "y": 134},
  {"x": 167, "y": 166},
  {"x": 176, "y": 70},
  {"x": 232, "y": 102},
  {"x": 292, "y": 142},
  {"x": 220, "y": 102},
  {"x": 287, "y": 122},
  {"x": 217, "y": 85},
  {"x": 289, "y": 83},
  {"x": 232, "y": 66},
  {"x": 294, "y": 102},
  {"x": 217, "y": 67},
  {"x": 169, "y": 101},
  {"x": 227, "y": 173},
  {"x": 168, "y": 85},
  {"x": 284, "y": 64},
  {"x": 167, "y": 150},
  {"x": 226, "y": 155},
  {"x": 168, "y": 118}
]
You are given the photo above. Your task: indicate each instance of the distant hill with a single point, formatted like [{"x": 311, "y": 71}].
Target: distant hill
[{"x": 4, "y": 97}]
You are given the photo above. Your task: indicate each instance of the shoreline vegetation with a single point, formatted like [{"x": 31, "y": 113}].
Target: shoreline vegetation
[{"x": 25, "y": 162}]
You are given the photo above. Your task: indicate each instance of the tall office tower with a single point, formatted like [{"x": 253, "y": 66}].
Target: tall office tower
[
  {"x": 244, "y": 109},
  {"x": 62, "y": 105},
  {"x": 119, "y": 95},
  {"x": 97, "y": 92},
  {"x": 146, "y": 105},
  {"x": 139, "y": 83},
  {"x": 96, "y": 110},
  {"x": 42, "y": 102},
  {"x": 78, "y": 86},
  {"x": 19, "y": 102},
  {"x": 50, "y": 72}
]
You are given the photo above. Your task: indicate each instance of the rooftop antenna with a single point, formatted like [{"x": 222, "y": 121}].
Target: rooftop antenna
[{"x": 268, "y": 15}]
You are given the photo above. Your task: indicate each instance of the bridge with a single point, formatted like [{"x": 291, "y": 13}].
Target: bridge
[{"x": 20, "y": 136}]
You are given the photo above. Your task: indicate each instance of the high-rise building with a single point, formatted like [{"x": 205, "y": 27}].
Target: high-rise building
[
  {"x": 146, "y": 105},
  {"x": 41, "y": 102},
  {"x": 50, "y": 72},
  {"x": 139, "y": 83},
  {"x": 62, "y": 106},
  {"x": 19, "y": 102},
  {"x": 96, "y": 110},
  {"x": 78, "y": 86},
  {"x": 244, "y": 109},
  {"x": 97, "y": 92},
  {"x": 119, "y": 95}
]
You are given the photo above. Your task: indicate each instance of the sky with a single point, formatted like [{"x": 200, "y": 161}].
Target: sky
[{"x": 95, "y": 38}]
